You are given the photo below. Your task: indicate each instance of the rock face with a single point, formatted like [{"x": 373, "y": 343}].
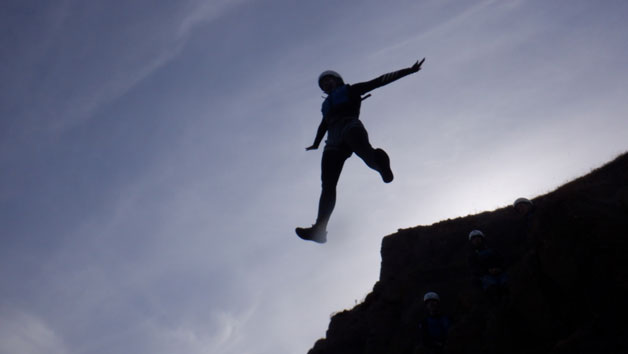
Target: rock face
[{"x": 568, "y": 279}]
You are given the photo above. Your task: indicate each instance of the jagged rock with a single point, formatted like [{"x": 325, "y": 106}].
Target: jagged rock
[{"x": 568, "y": 269}]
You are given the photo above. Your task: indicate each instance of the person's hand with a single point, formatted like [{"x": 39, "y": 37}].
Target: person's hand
[
  {"x": 313, "y": 147},
  {"x": 417, "y": 66}
]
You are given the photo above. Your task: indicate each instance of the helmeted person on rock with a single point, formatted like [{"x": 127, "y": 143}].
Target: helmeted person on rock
[
  {"x": 345, "y": 135},
  {"x": 523, "y": 206},
  {"x": 526, "y": 229},
  {"x": 487, "y": 266},
  {"x": 435, "y": 326}
]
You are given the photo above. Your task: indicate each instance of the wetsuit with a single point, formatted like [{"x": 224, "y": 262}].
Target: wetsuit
[
  {"x": 434, "y": 331},
  {"x": 481, "y": 261},
  {"x": 345, "y": 135}
]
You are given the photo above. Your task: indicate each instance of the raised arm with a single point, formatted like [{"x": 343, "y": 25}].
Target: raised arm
[
  {"x": 320, "y": 133},
  {"x": 364, "y": 87}
]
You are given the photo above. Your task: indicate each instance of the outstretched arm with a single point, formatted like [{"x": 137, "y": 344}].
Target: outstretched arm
[
  {"x": 320, "y": 133},
  {"x": 364, "y": 87}
]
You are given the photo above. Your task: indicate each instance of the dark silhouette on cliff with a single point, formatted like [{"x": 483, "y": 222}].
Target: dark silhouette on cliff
[{"x": 567, "y": 279}]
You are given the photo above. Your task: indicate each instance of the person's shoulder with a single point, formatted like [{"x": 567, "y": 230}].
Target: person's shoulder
[
  {"x": 341, "y": 90},
  {"x": 354, "y": 87}
]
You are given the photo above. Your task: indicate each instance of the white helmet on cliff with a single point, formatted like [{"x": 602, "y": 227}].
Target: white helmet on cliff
[
  {"x": 329, "y": 73},
  {"x": 431, "y": 296},
  {"x": 522, "y": 200},
  {"x": 475, "y": 233}
]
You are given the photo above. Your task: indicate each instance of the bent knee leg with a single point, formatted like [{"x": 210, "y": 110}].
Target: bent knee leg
[{"x": 357, "y": 138}]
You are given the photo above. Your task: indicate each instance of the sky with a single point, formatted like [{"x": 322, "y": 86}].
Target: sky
[{"x": 153, "y": 164}]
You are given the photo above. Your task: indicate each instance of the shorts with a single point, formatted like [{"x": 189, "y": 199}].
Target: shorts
[{"x": 336, "y": 133}]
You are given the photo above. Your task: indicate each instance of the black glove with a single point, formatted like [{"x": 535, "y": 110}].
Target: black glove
[{"x": 417, "y": 66}]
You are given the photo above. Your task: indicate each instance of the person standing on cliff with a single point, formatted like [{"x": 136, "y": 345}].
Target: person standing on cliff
[
  {"x": 345, "y": 135},
  {"x": 487, "y": 266},
  {"x": 435, "y": 326}
]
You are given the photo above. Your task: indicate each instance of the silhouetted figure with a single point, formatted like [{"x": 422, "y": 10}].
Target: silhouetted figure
[
  {"x": 487, "y": 266},
  {"x": 435, "y": 326},
  {"x": 345, "y": 135},
  {"x": 523, "y": 206},
  {"x": 528, "y": 223}
]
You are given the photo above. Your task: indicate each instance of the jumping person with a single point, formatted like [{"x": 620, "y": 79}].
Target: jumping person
[{"x": 345, "y": 135}]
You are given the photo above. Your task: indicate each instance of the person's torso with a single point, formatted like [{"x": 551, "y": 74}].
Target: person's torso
[
  {"x": 489, "y": 258},
  {"x": 437, "y": 327},
  {"x": 341, "y": 104}
]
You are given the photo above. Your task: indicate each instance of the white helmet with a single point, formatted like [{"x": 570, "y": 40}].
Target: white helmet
[
  {"x": 431, "y": 296},
  {"x": 474, "y": 233},
  {"x": 522, "y": 200},
  {"x": 329, "y": 73}
]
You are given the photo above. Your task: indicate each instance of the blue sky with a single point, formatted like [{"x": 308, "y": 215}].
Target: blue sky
[{"x": 152, "y": 162}]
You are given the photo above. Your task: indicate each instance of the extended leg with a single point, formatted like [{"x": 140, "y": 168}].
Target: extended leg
[{"x": 331, "y": 166}]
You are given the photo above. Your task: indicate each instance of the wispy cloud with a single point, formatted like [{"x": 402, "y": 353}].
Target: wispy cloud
[
  {"x": 69, "y": 69},
  {"x": 157, "y": 43},
  {"x": 203, "y": 11},
  {"x": 24, "y": 333}
]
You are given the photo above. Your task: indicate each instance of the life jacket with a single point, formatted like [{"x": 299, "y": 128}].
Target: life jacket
[
  {"x": 437, "y": 327},
  {"x": 489, "y": 258},
  {"x": 341, "y": 104}
]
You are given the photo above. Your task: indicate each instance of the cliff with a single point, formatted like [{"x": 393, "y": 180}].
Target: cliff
[{"x": 567, "y": 268}]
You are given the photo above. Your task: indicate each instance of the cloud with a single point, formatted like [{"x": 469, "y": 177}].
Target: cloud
[
  {"x": 63, "y": 69},
  {"x": 203, "y": 12},
  {"x": 24, "y": 333},
  {"x": 134, "y": 52}
]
